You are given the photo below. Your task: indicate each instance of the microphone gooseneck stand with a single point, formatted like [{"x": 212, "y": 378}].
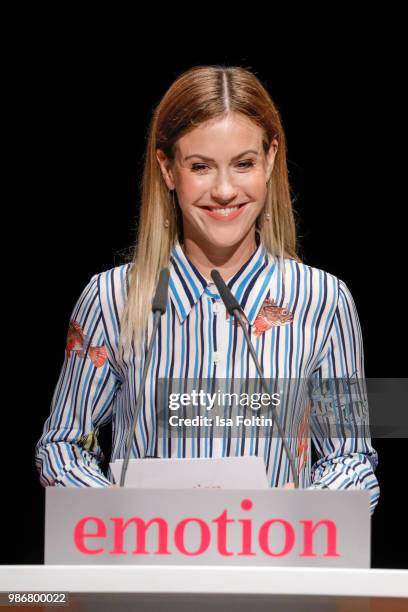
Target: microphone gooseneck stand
[
  {"x": 159, "y": 308},
  {"x": 234, "y": 309}
]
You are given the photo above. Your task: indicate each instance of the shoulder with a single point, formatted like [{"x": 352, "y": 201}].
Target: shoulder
[
  {"x": 314, "y": 284},
  {"x": 112, "y": 284},
  {"x": 304, "y": 270},
  {"x": 297, "y": 271},
  {"x": 112, "y": 292}
]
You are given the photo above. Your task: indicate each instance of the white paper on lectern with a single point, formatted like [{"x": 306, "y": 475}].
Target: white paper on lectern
[{"x": 219, "y": 472}]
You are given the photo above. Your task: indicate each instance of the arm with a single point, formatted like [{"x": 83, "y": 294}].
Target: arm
[
  {"x": 68, "y": 454},
  {"x": 347, "y": 459}
]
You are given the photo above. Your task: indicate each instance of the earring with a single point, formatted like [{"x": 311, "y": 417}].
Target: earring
[
  {"x": 173, "y": 193},
  {"x": 166, "y": 221},
  {"x": 267, "y": 215}
]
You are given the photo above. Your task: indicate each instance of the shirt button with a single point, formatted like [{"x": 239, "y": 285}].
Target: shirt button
[
  {"x": 216, "y": 357},
  {"x": 216, "y": 307}
]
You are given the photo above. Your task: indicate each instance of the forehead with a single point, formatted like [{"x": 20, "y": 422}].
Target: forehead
[{"x": 221, "y": 138}]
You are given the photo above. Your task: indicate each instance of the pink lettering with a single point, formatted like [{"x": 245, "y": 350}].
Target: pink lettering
[
  {"x": 80, "y": 535},
  {"x": 179, "y": 536},
  {"x": 140, "y": 549},
  {"x": 242, "y": 543},
  {"x": 289, "y": 538},
  {"x": 331, "y": 539}
]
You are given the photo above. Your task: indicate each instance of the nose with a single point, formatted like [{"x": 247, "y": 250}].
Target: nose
[{"x": 223, "y": 191}]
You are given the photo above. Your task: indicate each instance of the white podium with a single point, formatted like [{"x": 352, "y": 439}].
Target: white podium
[
  {"x": 158, "y": 588},
  {"x": 220, "y": 527}
]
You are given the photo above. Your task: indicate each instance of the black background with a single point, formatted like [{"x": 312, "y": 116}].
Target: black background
[{"x": 82, "y": 105}]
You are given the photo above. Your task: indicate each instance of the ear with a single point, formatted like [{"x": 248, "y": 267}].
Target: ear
[
  {"x": 270, "y": 158},
  {"x": 165, "y": 167}
]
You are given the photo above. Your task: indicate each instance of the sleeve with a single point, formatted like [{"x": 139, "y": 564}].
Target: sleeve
[
  {"x": 340, "y": 425},
  {"x": 67, "y": 453}
]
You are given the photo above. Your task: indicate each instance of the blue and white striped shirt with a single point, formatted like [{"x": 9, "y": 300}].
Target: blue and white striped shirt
[{"x": 313, "y": 332}]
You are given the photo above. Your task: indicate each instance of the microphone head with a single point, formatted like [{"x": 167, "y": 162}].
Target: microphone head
[
  {"x": 160, "y": 298},
  {"x": 229, "y": 300}
]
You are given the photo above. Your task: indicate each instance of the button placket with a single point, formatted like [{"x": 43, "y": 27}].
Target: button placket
[
  {"x": 221, "y": 365},
  {"x": 220, "y": 355}
]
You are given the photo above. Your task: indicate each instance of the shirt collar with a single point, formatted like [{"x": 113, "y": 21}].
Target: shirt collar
[{"x": 249, "y": 285}]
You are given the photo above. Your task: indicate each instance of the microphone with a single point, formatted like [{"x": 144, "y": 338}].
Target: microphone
[
  {"x": 234, "y": 309},
  {"x": 159, "y": 308}
]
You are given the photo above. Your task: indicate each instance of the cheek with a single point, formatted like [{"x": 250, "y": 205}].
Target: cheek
[
  {"x": 252, "y": 183},
  {"x": 191, "y": 186},
  {"x": 257, "y": 182}
]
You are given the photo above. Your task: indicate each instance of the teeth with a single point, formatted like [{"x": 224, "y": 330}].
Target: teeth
[{"x": 226, "y": 211}]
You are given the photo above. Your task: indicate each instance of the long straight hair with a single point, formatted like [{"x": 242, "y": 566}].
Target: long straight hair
[{"x": 200, "y": 94}]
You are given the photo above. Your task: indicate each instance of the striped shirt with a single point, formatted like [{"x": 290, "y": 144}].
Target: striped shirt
[{"x": 304, "y": 326}]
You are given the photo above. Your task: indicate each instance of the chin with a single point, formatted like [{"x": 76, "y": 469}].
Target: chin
[{"x": 225, "y": 237}]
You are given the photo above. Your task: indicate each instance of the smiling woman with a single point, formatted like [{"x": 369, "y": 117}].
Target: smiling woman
[
  {"x": 215, "y": 195},
  {"x": 230, "y": 186},
  {"x": 215, "y": 181}
]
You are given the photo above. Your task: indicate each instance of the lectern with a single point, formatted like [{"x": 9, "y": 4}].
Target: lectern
[{"x": 251, "y": 527}]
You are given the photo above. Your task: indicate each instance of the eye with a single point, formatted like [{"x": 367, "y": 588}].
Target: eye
[
  {"x": 198, "y": 167},
  {"x": 243, "y": 165},
  {"x": 246, "y": 164}
]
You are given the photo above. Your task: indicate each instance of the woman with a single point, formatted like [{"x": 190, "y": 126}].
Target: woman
[{"x": 215, "y": 195}]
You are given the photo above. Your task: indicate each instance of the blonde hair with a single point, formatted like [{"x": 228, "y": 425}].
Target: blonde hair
[{"x": 200, "y": 94}]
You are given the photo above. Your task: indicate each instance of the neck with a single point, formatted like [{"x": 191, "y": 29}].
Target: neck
[{"x": 226, "y": 259}]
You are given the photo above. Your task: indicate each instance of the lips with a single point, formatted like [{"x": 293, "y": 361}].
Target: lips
[
  {"x": 216, "y": 213},
  {"x": 214, "y": 208}
]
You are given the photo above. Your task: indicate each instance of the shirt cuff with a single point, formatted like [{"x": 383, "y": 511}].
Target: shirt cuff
[
  {"x": 318, "y": 485},
  {"x": 81, "y": 475}
]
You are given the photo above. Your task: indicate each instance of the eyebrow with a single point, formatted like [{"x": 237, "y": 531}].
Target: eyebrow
[{"x": 210, "y": 159}]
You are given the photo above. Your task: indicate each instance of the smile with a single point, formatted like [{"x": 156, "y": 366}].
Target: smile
[{"x": 224, "y": 214}]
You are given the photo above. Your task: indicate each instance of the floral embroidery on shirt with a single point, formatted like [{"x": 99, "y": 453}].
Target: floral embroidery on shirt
[
  {"x": 79, "y": 344},
  {"x": 269, "y": 315}
]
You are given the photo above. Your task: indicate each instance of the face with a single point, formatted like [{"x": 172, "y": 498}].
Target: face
[{"x": 220, "y": 172}]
